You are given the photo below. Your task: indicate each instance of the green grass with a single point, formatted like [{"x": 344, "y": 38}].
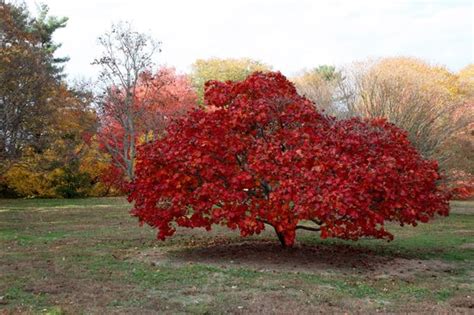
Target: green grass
[
  {"x": 50, "y": 204},
  {"x": 90, "y": 256}
]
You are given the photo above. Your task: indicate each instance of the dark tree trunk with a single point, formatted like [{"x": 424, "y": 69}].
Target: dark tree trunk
[{"x": 281, "y": 238}]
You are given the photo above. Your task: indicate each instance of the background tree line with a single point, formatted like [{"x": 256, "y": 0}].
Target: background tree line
[{"x": 63, "y": 139}]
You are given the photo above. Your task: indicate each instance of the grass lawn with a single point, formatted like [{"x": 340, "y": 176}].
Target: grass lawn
[{"x": 90, "y": 256}]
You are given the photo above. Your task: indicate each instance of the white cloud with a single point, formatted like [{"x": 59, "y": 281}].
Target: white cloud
[{"x": 289, "y": 35}]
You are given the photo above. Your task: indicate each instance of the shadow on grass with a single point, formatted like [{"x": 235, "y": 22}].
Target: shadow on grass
[{"x": 267, "y": 255}]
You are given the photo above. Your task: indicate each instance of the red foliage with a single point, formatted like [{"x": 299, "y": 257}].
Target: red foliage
[
  {"x": 113, "y": 179},
  {"x": 266, "y": 156}
]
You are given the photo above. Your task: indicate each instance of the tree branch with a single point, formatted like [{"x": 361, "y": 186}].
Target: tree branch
[{"x": 308, "y": 228}]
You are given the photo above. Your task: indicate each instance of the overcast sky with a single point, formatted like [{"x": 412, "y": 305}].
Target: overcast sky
[{"x": 289, "y": 35}]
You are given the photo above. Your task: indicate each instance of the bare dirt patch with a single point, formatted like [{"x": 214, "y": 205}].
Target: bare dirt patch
[
  {"x": 467, "y": 246},
  {"x": 281, "y": 303},
  {"x": 463, "y": 302}
]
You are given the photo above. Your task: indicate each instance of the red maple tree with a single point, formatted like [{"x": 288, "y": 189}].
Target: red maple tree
[{"x": 265, "y": 156}]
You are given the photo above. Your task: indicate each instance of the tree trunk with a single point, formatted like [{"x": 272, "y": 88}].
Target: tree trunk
[{"x": 281, "y": 238}]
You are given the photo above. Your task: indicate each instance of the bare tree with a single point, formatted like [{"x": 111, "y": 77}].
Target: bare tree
[
  {"x": 314, "y": 86},
  {"x": 327, "y": 88},
  {"x": 127, "y": 55},
  {"x": 411, "y": 94}
]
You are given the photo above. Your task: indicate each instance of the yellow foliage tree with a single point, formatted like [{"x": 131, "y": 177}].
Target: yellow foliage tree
[
  {"x": 421, "y": 98},
  {"x": 466, "y": 80},
  {"x": 462, "y": 145},
  {"x": 71, "y": 164},
  {"x": 219, "y": 69},
  {"x": 61, "y": 171},
  {"x": 27, "y": 179}
]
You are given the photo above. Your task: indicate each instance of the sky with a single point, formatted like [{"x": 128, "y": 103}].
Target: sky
[{"x": 289, "y": 35}]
